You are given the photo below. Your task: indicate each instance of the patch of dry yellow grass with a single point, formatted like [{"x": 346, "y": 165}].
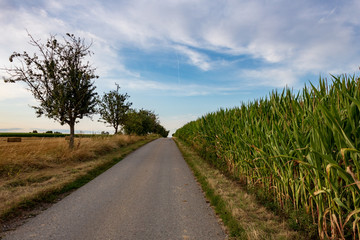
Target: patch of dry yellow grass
[
  {"x": 39, "y": 153},
  {"x": 38, "y": 165},
  {"x": 258, "y": 222}
]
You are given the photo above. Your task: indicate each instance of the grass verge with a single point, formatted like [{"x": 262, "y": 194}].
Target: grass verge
[
  {"x": 35, "y": 191},
  {"x": 243, "y": 216}
]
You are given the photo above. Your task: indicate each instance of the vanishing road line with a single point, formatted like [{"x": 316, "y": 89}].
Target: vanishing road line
[{"x": 150, "y": 194}]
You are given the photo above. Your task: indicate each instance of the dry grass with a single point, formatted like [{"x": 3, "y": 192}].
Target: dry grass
[
  {"x": 39, "y": 153},
  {"x": 258, "y": 222},
  {"x": 38, "y": 165}
]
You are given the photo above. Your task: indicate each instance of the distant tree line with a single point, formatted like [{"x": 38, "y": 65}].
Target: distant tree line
[
  {"x": 49, "y": 132},
  {"x": 115, "y": 111},
  {"x": 143, "y": 122},
  {"x": 61, "y": 79}
]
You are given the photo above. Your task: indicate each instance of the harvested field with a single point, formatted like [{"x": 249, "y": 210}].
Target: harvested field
[
  {"x": 39, "y": 165},
  {"x": 39, "y": 153}
]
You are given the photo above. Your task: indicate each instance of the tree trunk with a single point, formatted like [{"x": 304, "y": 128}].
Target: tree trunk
[{"x": 72, "y": 133}]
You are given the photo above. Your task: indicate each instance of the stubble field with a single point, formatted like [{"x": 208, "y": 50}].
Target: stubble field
[{"x": 37, "y": 166}]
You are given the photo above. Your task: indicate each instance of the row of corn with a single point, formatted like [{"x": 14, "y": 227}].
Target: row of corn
[{"x": 303, "y": 148}]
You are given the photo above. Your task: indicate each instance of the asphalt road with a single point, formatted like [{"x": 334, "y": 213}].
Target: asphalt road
[{"x": 151, "y": 194}]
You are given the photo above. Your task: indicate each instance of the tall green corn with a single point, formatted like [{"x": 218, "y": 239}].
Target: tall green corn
[{"x": 303, "y": 148}]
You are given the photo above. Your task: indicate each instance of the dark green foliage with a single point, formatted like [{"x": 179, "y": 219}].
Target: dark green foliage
[
  {"x": 159, "y": 129},
  {"x": 32, "y": 135},
  {"x": 59, "y": 78},
  {"x": 143, "y": 122},
  {"x": 113, "y": 108},
  {"x": 133, "y": 124}
]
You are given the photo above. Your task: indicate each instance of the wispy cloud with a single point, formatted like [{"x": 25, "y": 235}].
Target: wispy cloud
[
  {"x": 10, "y": 129},
  {"x": 10, "y": 91},
  {"x": 304, "y": 36},
  {"x": 270, "y": 77},
  {"x": 195, "y": 58},
  {"x": 173, "y": 89}
]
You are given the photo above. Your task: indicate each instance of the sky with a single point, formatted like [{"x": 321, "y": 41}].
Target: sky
[{"x": 183, "y": 58}]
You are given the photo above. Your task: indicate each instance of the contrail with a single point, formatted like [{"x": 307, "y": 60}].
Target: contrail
[{"x": 178, "y": 67}]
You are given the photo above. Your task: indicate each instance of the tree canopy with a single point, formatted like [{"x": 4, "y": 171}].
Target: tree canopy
[
  {"x": 113, "y": 108},
  {"x": 59, "y": 78},
  {"x": 143, "y": 122}
]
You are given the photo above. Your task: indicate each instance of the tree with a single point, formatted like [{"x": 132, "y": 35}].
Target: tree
[
  {"x": 134, "y": 123},
  {"x": 143, "y": 122},
  {"x": 161, "y": 130},
  {"x": 149, "y": 120},
  {"x": 59, "y": 78},
  {"x": 113, "y": 108}
]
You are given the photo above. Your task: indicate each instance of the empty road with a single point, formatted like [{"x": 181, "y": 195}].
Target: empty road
[{"x": 151, "y": 194}]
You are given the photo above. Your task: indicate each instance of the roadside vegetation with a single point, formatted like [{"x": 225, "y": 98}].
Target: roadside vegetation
[
  {"x": 299, "y": 151},
  {"x": 14, "y": 134},
  {"x": 49, "y": 135},
  {"x": 113, "y": 108},
  {"x": 61, "y": 80},
  {"x": 34, "y": 166},
  {"x": 242, "y": 214},
  {"x": 39, "y": 169},
  {"x": 142, "y": 122}
]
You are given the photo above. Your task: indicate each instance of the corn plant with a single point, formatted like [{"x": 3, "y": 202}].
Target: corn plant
[{"x": 302, "y": 148}]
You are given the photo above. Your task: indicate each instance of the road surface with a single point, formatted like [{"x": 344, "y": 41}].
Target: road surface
[{"x": 151, "y": 194}]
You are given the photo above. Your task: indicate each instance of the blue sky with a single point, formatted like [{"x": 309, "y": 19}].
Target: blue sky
[{"x": 184, "y": 58}]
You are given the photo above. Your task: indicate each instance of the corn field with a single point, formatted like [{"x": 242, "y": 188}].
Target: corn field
[{"x": 303, "y": 148}]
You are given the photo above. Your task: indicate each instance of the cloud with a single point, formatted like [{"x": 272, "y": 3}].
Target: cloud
[
  {"x": 195, "y": 58},
  {"x": 173, "y": 89},
  {"x": 12, "y": 91},
  {"x": 286, "y": 36},
  {"x": 248, "y": 44},
  {"x": 10, "y": 129},
  {"x": 270, "y": 77},
  {"x": 41, "y": 19},
  {"x": 304, "y": 35}
]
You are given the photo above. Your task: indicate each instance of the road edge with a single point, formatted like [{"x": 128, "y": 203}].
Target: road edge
[
  {"x": 17, "y": 215},
  {"x": 233, "y": 229}
]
